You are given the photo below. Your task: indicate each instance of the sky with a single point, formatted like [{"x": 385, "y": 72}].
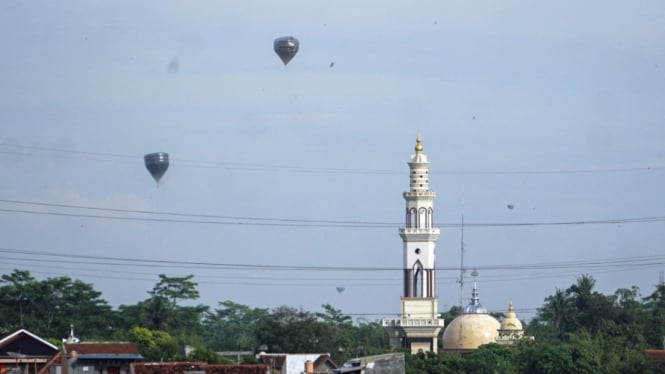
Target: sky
[{"x": 544, "y": 123}]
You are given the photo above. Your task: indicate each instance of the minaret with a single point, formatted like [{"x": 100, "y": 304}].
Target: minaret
[{"x": 419, "y": 324}]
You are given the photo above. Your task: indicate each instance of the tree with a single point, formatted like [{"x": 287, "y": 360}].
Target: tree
[
  {"x": 174, "y": 289},
  {"x": 154, "y": 345},
  {"x": 162, "y": 310},
  {"x": 233, "y": 326},
  {"x": 590, "y": 307},
  {"x": 15, "y": 294},
  {"x": 342, "y": 331},
  {"x": 655, "y": 326},
  {"x": 48, "y": 307},
  {"x": 292, "y": 330},
  {"x": 556, "y": 315},
  {"x": 433, "y": 363},
  {"x": 490, "y": 358}
]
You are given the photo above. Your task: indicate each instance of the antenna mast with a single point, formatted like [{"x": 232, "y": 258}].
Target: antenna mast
[{"x": 461, "y": 267}]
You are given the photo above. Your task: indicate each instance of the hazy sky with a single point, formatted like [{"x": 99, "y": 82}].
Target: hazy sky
[{"x": 556, "y": 108}]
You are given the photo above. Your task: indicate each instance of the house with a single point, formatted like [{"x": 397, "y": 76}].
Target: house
[
  {"x": 99, "y": 357},
  {"x": 194, "y": 368},
  {"x": 22, "y": 351},
  {"x": 297, "y": 363},
  {"x": 92, "y": 357},
  {"x": 389, "y": 363}
]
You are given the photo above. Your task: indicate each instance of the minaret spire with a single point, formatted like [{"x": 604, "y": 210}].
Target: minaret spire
[
  {"x": 419, "y": 144},
  {"x": 419, "y": 300}
]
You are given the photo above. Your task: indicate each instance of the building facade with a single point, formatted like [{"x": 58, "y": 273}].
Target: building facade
[{"x": 419, "y": 323}]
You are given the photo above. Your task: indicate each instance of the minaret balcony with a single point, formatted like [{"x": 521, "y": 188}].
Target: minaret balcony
[
  {"x": 413, "y": 322},
  {"x": 425, "y": 195},
  {"x": 420, "y": 234}
]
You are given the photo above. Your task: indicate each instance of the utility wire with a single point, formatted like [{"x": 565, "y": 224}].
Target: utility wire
[
  {"x": 318, "y": 169},
  {"x": 176, "y": 214},
  {"x": 611, "y": 263},
  {"x": 282, "y": 222}
]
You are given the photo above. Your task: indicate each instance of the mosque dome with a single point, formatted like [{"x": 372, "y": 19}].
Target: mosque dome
[
  {"x": 473, "y": 328},
  {"x": 511, "y": 322}
]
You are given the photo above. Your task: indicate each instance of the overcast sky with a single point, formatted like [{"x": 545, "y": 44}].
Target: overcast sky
[{"x": 556, "y": 108}]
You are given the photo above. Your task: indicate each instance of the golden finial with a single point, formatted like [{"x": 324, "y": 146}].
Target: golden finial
[
  {"x": 419, "y": 144},
  {"x": 510, "y": 308}
]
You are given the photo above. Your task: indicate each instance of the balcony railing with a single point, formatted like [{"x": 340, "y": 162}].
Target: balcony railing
[{"x": 408, "y": 322}]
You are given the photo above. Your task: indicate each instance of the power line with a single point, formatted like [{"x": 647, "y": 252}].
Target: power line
[
  {"x": 282, "y": 222},
  {"x": 177, "y": 214},
  {"x": 325, "y": 170},
  {"x": 600, "y": 264}
]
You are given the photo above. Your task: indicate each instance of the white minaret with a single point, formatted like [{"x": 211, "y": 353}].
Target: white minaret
[{"x": 419, "y": 325}]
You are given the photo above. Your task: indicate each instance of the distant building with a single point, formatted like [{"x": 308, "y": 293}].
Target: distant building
[
  {"x": 297, "y": 363},
  {"x": 24, "y": 352},
  {"x": 390, "y": 363},
  {"x": 194, "y": 368},
  {"x": 235, "y": 356},
  {"x": 97, "y": 357},
  {"x": 419, "y": 324}
]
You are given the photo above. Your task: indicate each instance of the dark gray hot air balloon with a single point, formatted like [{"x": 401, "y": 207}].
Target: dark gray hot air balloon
[
  {"x": 286, "y": 47},
  {"x": 157, "y": 163}
]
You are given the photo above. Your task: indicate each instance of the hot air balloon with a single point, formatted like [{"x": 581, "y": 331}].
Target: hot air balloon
[
  {"x": 157, "y": 163},
  {"x": 286, "y": 47}
]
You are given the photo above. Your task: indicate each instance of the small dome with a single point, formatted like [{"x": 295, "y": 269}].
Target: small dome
[
  {"x": 469, "y": 331},
  {"x": 511, "y": 322}
]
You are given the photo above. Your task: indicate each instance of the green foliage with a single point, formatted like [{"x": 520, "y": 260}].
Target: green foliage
[
  {"x": 432, "y": 363},
  {"x": 490, "y": 358},
  {"x": 577, "y": 329},
  {"x": 162, "y": 312},
  {"x": 174, "y": 289},
  {"x": 233, "y": 326},
  {"x": 452, "y": 313},
  {"x": 207, "y": 355},
  {"x": 655, "y": 309},
  {"x": 292, "y": 330},
  {"x": 48, "y": 307},
  {"x": 154, "y": 345}
]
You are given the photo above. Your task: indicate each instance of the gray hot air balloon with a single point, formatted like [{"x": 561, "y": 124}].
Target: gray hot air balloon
[
  {"x": 157, "y": 163},
  {"x": 286, "y": 47}
]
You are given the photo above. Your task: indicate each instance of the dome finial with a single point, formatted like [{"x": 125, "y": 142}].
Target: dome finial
[
  {"x": 474, "y": 305},
  {"x": 419, "y": 144}
]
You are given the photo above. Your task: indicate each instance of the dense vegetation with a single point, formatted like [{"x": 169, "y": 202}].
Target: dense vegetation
[{"x": 577, "y": 329}]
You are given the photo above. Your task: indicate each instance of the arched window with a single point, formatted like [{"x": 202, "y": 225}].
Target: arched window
[
  {"x": 412, "y": 220},
  {"x": 422, "y": 217},
  {"x": 430, "y": 217},
  {"x": 418, "y": 279}
]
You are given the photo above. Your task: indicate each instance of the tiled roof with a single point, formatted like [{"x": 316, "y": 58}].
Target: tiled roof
[
  {"x": 103, "y": 348},
  {"x": 657, "y": 355},
  {"x": 180, "y": 367}
]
